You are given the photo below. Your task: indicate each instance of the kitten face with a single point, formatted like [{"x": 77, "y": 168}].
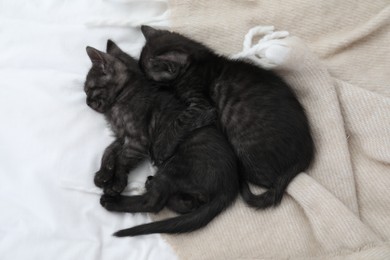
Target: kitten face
[
  {"x": 166, "y": 55},
  {"x": 105, "y": 80}
]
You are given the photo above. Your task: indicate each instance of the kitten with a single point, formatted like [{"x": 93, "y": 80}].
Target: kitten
[
  {"x": 257, "y": 111},
  {"x": 199, "y": 180}
]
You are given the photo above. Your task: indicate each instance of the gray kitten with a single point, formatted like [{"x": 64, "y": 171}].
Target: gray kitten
[{"x": 199, "y": 180}]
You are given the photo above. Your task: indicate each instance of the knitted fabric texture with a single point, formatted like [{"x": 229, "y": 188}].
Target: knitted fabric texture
[{"x": 340, "y": 207}]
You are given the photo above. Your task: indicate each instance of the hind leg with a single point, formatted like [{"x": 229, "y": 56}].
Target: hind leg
[
  {"x": 187, "y": 202},
  {"x": 178, "y": 202},
  {"x": 153, "y": 200},
  {"x": 148, "y": 202},
  {"x": 182, "y": 203},
  {"x": 261, "y": 175},
  {"x": 265, "y": 177}
]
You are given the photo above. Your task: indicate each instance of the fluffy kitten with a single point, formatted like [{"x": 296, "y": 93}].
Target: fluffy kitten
[
  {"x": 199, "y": 180},
  {"x": 257, "y": 110}
]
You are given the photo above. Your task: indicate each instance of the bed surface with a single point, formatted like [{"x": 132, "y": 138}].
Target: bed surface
[{"x": 51, "y": 142}]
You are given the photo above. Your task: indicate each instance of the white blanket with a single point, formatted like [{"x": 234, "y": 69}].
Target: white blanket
[{"x": 51, "y": 142}]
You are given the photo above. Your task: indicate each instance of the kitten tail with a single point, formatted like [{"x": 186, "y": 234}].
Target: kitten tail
[
  {"x": 272, "y": 197},
  {"x": 183, "y": 223}
]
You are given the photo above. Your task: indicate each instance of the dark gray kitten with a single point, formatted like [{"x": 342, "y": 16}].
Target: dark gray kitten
[
  {"x": 257, "y": 111},
  {"x": 199, "y": 180}
]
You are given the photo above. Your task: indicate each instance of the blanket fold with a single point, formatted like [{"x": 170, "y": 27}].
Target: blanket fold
[{"x": 339, "y": 208}]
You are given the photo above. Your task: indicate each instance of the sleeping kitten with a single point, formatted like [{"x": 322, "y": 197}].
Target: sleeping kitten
[
  {"x": 257, "y": 111},
  {"x": 199, "y": 180}
]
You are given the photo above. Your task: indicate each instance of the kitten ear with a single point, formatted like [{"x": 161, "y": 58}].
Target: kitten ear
[
  {"x": 149, "y": 32},
  {"x": 97, "y": 57},
  {"x": 112, "y": 48},
  {"x": 121, "y": 56}
]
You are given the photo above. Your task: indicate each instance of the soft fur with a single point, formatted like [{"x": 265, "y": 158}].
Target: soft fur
[
  {"x": 257, "y": 111},
  {"x": 199, "y": 180}
]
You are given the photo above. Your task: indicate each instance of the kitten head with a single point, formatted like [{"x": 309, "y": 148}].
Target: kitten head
[
  {"x": 105, "y": 80},
  {"x": 167, "y": 55}
]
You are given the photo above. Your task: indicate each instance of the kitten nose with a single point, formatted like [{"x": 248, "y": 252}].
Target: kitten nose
[
  {"x": 89, "y": 101},
  {"x": 92, "y": 103}
]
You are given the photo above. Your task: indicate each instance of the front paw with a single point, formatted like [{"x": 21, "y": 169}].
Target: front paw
[
  {"x": 103, "y": 177},
  {"x": 115, "y": 187},
  {"x": 106, "y": 172}
]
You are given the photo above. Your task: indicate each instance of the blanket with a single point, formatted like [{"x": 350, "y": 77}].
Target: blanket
[{"x": 340, "y": 207}]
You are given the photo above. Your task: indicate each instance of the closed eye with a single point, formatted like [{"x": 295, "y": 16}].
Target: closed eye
[
  {"x": 91, "y": 89},
  {"x": 97, "y": 87},
  {"x": 159, "y": 65}
]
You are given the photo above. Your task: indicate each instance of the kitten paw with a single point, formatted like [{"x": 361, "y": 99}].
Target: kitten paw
[
  {"x": 106, "y": 172},
  {"x": 114, "y": 203},
  {"x": 103, "y": 177},
  {"x": 109, "y": 202},
  {"x": 115, "y": 187}
]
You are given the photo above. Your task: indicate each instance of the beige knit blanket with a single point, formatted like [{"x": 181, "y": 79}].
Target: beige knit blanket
[{"x": 339, "y": 208}]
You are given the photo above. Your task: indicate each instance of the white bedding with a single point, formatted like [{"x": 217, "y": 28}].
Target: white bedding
[{"x": 51, "y": 142}]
